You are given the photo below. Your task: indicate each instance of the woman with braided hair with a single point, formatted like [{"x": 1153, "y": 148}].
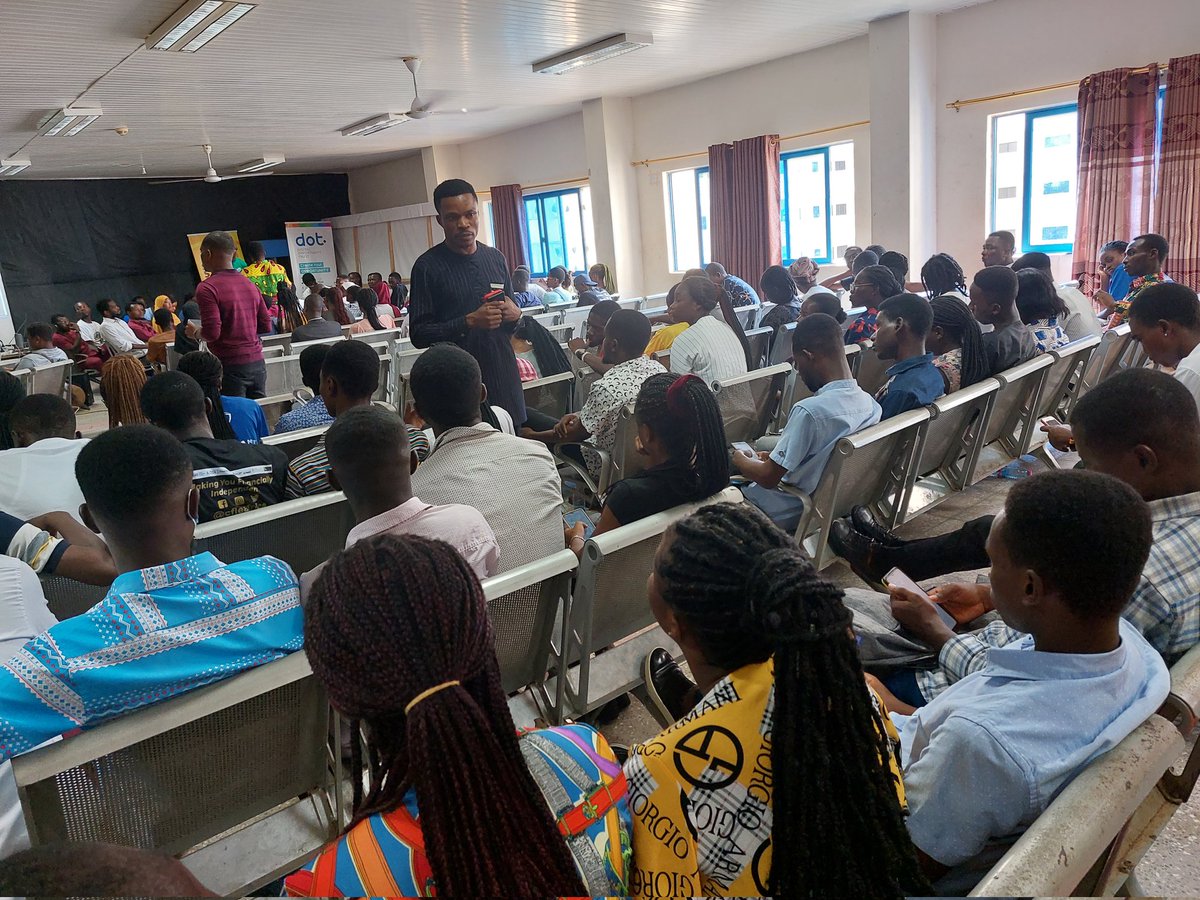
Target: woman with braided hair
[
  {"x": 942, "y": 275},
  {"x": 783, "y": 779},
  {"x": 239, "y": 418},
  {"x": 121, "y": 383},
  {"x": 957, "y": 343},
  {"x": 396, "y": 628}
]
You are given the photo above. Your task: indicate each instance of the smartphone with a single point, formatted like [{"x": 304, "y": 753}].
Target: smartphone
[
  {"x": 896, "y": 578},
  {"x": 742, "y": 445},
  {"x": 575, "y": 516},
  {"x": 1049, "y": 421},
  {"x": 195, "y": 323}
]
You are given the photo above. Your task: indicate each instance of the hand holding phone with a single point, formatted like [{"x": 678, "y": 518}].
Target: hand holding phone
[
  {"x": 579, "y": 517},
  {"x": 743, "y": 447},
  {"x": 897, "y": 579}
]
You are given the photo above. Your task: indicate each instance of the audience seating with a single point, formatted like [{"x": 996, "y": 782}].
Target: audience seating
[
  {"x": 795, "y": 390},
  {"x": 273, "y": 352},
  {"x": 873, "y": 468},
  {"x": 608, "y": 607},
  {"x": 748, "y": 315},
  {"x": 52, "y": 379},
  {"x": 781, "y": 347},
  {"x": 759, "y": 339},
  {"x": 564, "y": 332},
  {"x": 389, "y": 335},
  {"x": 25, "y": 376},
  {"x": 652, "y": 313},
  {"x": 1117, "y": 351},
  {"x": 748, "y": 402},
  {"x": 623, "y": 462},
  {"x": 1062, "y": 386},
  {"x": 278, "y": 340},
  {"x": 654, "y": 298},
  {"x": 296, "y": 348},
  {"x": 631, "y": 303},
  {"x": 1014, "y": 414},
  {"x": 67, "y": 597},
  {"x": 576, "y": 316},
  {"x": 303, "y": 533},
  {"x": 548, "y": 319},
  {"x": 275, "y": 406},
  {"x": 872, "y": 371},
  {"x": 551, "y": 395},
  {"x": 297, "y": 442},
  {"x": 237, "y": 778}
]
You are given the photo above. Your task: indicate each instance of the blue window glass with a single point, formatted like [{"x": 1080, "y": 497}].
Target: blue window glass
[
  {"x": 558, "y": 231},
  {"x": 804, "y": 205}
]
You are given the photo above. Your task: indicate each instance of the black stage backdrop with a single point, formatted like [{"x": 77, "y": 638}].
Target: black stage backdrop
[{"x": 65, "y": 241}]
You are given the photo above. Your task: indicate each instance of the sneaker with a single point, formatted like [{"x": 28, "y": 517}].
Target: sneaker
[
  {"x": 864, "y": 523},
  {"x": 667, "y": 688}
]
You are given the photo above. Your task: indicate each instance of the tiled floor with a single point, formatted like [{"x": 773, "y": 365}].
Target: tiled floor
[{"x": 1171, "y": 868}]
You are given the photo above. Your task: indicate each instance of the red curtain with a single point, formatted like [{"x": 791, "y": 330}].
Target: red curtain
[
  {"x": 1177, "y": 194},
  {"x": 744, "y": 188},
  {"x": 508, "y": 223},
  {"x": 1116, "y": 162}
]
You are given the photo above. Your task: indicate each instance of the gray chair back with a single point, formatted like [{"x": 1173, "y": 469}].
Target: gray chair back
[
  {"x": 295, "y": 443},
  {"x": 748, "y": 403},
  {"x": 759, "y": 339},
  {"x": 551, "y": 395},
  {"x": 274, "y": 407},
  {"x": 872, "y": 371},
  {"x": 303, "y": 533},
  {"x": 781, "y": 346},
  {"x": 1014, "y": 415},
  {"x": 52, "y": 379},
  {"x": 67, "y": 597}
]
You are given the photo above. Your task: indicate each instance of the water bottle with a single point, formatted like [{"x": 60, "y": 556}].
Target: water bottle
[{"x": 1017, "y": 469}]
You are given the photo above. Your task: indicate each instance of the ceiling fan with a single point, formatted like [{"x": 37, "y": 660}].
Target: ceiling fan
[
  {"x": 211, "y": 176},
  {"x": 419, "y": 109}
]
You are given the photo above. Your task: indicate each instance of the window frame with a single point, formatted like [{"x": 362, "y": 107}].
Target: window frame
[
  {"x": 540, "y": 198},
  {"x": 784, "y": 197},
  {"x": 1031, "y": 116},
  {"x": 696, "y": 173}
]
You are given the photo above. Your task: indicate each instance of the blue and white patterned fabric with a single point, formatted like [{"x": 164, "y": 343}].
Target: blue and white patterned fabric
[
  {"x": 158, "y": 633},
  {"x": 310, "y": 415}
]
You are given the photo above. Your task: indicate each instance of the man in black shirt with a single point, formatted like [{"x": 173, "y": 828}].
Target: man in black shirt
[
  {"x": 449, "y": 284},
  {"x": 232, "y": 477}
]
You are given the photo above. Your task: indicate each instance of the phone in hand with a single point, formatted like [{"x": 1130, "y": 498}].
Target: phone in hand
[
  {"x": 1049, "y": 422},
  {"x": 744, "y": 447},
  {"x": 496, "y": 296},
  {"x": 896, "y": 578},
  {"x": 575, "y": 516}
]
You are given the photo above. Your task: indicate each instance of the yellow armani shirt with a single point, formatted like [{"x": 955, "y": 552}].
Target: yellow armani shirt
[{"x": 700, "y": 793}]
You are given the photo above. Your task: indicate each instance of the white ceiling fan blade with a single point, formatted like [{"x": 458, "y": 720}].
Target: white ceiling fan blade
[
  {"x": 248, "y": 175},
  {"x": 177, "y": 181}
]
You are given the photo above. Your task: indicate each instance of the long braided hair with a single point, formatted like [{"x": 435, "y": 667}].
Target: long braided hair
[
  {"x": 121, "y": 381},
  {"x": 551, "y": 359},
  {"x": 708, "y": 296},
  {"x": 942, "y": 274},
  {"x": 209, "y": 374},
  {"x": 955, "y": 319},
  {"x": 11, "y": 393},
  {"x": 682, "y": 412},
  {"x": 291, "y": 316},
  {"x": 747, "y": 593},
  {"x": 387, "y": 620}
]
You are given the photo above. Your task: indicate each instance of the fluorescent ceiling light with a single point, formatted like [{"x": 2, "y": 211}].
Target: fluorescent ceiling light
[
  {"x": 69, "y": 121},
  {"x": 13, "y": 166},
  {"x": 195, "y": 24},
  {"x": 378, "y": 123},
  {"x": 258, "y": 165},
  {"x": 588, "y": 54}
]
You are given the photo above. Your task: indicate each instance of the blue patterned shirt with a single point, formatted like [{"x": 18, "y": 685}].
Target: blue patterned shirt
[
  {"x": 1165, "y": 607},
  {"x": 310, "y": 415},
  {"x": 157, "y": 633}
]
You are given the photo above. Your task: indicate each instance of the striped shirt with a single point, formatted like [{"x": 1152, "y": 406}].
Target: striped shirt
[
  {"x": 1165, "y": 607},
  {"x": 309, "y": 472},
  {"x": 710, "y": 350}
]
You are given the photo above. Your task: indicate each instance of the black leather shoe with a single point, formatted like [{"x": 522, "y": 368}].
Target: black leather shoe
[
  {"x": 667, "y": 688},
  {"x": 859, "y": 552},
  {"x": 864, "y": 523}
]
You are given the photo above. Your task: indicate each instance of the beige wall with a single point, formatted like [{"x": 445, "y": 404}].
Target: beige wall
[{"x": 397, "y": 182}]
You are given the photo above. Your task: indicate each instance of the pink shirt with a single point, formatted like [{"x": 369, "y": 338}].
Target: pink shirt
[
  {"x": 462, "y": 527},
  {"x": 232, "y": 316}
]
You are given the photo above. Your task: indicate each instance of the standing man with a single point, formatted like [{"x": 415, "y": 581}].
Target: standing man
[
  {"x": 461, "y": 293},
  {"x": 232, "y": 316},
  {"x": 998, "y": 249},
  {"x": 266, "y": 274}
]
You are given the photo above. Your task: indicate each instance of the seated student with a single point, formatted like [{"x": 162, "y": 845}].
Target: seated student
[
  {"x": 942, "y": 275},
  {"x": 71, "y": 551},
  {"x": 368, "y": 460},
  {"x": 837, "y": 407},
  {"x": 135, "y": 316},
  {"x": 157, "y": 344},
  {"x": 317, "y": 327},
  {"x": 782, "y": 779},
  {"x": 349, "y": 378},
  {"x": 595, "y": 425},
  {"x": 1139, "y": 426},
  {"x": 230, "y": 417},
  {"x": 373, "y": 319},
  {"x": 456, "y": 797},
  {"x": 735, "y": 290},
  {"x": 984, "y": 759},
  {"x": 665, "y": 336},
  {"x": 956, "y": 340},
  {"x": 994, "y": 302},
  {"x": 121, "y": 382},
  {"x": 682, "y": 437},
  {"x": 872, "y": 285},
  {"x": 1080, "y": 321},
  {"x": 557, "y": 291},
  {"x": 826, "y": 304},
  {"x": 779, "y": 288},
  {"x": 1145, "y": 258},
  {"x": 804, "y": 272},
  {"x": 116, "y": 333},
  {"x": 584, "y": 285},
  {"x": 1111, "y": 273},
  {"x": 470, "y": 459},
  {"x": 532, "y": 286},
  {"x": 603, "y": 276},
  {"x": 522, "y": 296},
  {"x": 38, "y": 475},
  {"x": 96, "y": 870},
  {"x": 1041, "y": 309},
  {"x": 12, "y": 391},
  {"x": 711, "y": 348},
  {"x": 913, "y": 381},
  {"x": 231, "y": 477},
  {"x": 42, "y": 351},
  {"x": 313, "y": 413},
  {"x": 185, "y": 637},
  {"x": 897, "y": 262},
  {"x": 586, "y": 348},
  {"x": 183, "y": 342}
]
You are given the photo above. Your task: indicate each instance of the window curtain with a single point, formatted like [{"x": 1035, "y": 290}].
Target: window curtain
[
  {"x": 508, "y": 223},
  {"x": 1116, "y": 163},
  {"x": 744, "y": 187},
  {"x": 1177, "y": 194}
]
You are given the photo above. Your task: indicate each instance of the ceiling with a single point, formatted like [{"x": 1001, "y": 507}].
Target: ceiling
[{"x": 292, "y": 73}]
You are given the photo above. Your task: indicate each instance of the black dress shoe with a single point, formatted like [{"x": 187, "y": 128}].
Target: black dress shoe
[
  {"x": 860, "y": 553},
  {"x": 668, "y": 689},
  {"x": 864, "y": 523}
]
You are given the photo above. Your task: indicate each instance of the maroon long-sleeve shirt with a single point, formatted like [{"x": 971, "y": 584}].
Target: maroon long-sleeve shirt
[{"x": 232, "y": 316}]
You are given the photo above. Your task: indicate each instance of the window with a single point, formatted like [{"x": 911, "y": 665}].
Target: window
[
  {"x": 816, "y": 202},
  {"x": 559, "y": 231},
  {"x": 487, "y": 226},
  {"x": 687, "y": 197}
]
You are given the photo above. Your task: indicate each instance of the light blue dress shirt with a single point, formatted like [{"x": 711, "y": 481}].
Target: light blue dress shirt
[
  {"x": 814, "y": 427},
  {"x": 986, "y": 757}
]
